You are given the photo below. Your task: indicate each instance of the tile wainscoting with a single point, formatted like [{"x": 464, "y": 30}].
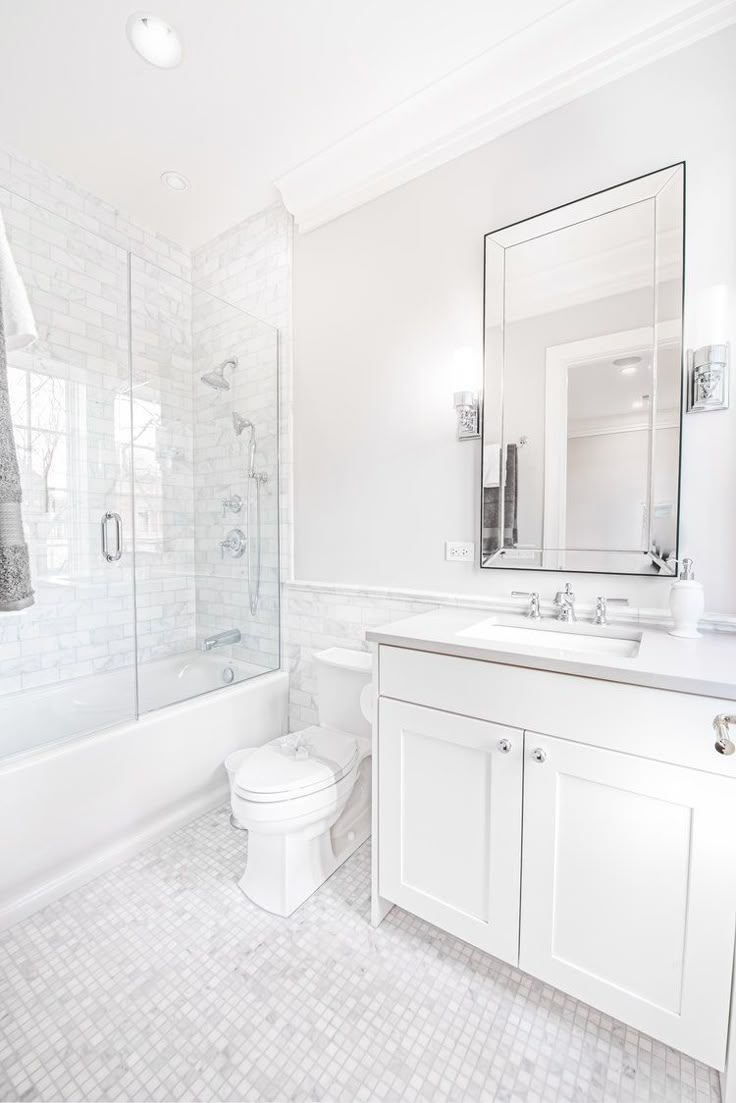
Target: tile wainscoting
[{"x": 316, "y": 615}]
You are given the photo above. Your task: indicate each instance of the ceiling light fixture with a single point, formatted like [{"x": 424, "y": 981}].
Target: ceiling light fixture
[
  {"x": 627, "y": 365},
  {"x": 155, "y": 40},
  {"x": 175, "y": 180}
]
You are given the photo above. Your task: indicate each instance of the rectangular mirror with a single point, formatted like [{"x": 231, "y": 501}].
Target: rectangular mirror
[{"x": 583, "y": 383}]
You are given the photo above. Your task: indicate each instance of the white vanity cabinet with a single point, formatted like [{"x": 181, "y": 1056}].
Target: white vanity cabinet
[
  {"x": 451, "y": 807},
  {"x": 580, "y": 829}
]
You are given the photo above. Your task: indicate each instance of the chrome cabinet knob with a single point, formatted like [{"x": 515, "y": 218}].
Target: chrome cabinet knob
[
  {"x": 504, "y": 745},
  {"x": 724, "y": 743},
  {"x": 539, "y": 754}
]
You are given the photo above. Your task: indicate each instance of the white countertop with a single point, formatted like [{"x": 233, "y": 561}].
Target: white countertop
[{"x": 704, "y": 666}]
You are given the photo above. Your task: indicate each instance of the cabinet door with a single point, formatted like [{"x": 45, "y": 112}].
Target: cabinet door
[
  {"x": 629, "y": 889},
  {"x": 449, "y": 818}
]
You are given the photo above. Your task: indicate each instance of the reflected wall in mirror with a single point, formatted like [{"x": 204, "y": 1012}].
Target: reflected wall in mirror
[{"x": 583, "y": 383}]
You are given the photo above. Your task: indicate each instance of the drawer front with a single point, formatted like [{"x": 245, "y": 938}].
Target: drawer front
[{"x": 652, "y": 723}]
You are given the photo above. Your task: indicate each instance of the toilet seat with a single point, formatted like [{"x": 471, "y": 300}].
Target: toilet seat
[{"x": 297, "y": 765}]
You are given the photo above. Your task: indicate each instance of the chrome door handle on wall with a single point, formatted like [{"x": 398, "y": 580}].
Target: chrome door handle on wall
[
  {"x": 724, "y": 743},
  {"x": 112, "y": 556}
]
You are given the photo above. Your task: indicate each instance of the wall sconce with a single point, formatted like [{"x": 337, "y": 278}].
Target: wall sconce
[
  {"x": 468, "y": 415},
  {"x": 465, "y": 400},
  {"x": 708, "y": 383},
  {"x": 707, "y": 373}
]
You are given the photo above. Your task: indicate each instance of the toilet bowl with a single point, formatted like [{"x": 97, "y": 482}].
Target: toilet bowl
[{"x": 305, "y": 797}]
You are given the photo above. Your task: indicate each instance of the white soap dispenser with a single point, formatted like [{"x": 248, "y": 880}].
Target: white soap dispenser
[{"x": 687, "y": 603}]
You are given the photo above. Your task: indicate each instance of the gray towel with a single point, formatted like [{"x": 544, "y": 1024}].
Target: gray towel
[
  {"x": 16, "y": 591},
  {"x": 491, "y": 535}
]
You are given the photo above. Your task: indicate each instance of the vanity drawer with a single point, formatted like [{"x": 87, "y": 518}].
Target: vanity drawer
[{"x": 652, "y": 723}]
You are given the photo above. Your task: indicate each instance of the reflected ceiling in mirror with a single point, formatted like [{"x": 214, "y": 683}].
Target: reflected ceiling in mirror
[{"x": 583, "y": 383}]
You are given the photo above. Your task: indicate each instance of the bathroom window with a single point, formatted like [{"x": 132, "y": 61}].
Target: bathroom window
[{"x": 46, "y": 411}]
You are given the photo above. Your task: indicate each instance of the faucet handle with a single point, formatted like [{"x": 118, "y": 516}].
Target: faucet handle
[
  {"x": 601, "y": 607},
  {"x": 533, "y": 611}
]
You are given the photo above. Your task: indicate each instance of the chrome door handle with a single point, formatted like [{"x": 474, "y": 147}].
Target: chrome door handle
[
  {"x": 724, "y": 743},
  {"x": 504, "y": 745},
  {"x": 112, "y": 556},
  {"x": 539, "y": 754}
]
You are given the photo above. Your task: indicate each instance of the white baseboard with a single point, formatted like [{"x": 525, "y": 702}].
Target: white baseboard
[{"x": 108, "y": 857}]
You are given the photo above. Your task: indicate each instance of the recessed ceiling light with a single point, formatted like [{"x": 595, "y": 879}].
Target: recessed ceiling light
[
  {"x": 154, "y": 39},
  {"x": 174, "y": 180},
  {"x": 627, "y": 365}
]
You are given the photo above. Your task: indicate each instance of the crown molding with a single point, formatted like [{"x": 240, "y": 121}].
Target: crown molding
[{"x": 553, "y": 61}]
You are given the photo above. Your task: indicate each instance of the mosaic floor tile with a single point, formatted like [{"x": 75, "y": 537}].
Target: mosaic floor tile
[{"x": 161, "y": 981}]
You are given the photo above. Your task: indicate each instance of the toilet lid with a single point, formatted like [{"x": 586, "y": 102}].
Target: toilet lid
[{"x": 297, "y": 764}]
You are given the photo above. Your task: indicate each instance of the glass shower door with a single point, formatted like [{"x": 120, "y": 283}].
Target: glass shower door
[
  {"x": 205, "y": 459},
  {"x": 67, "y": 663}
]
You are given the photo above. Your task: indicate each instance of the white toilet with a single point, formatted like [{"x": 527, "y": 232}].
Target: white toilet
[{"x": 305, "y": 798}]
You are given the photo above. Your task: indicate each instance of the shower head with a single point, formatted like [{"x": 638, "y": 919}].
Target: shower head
[
  {"x": 216, "y": 378},
  {"x": 240, "y": 423}
]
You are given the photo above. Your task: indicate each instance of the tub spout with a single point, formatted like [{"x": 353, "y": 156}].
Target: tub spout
[{"x": 222, "y": 639}]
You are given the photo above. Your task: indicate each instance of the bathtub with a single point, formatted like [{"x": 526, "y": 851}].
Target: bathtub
[
  {"x": 34, "y": 718},
  {"x": 78, "y": 805}
]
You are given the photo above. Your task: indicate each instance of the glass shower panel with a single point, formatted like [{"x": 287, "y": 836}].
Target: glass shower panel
[
  {"x": 68, "y": 662},
  {"x": 205, "y": 460}
]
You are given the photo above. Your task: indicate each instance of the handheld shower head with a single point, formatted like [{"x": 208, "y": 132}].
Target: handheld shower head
[
  {"x": 216, "y": 378},
  {"x": 240, "y": 423}
]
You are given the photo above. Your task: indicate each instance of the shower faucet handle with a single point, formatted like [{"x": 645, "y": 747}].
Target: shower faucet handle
[
  {"x": 233, "y": 504},
  {"x": 235, "y": 542}
]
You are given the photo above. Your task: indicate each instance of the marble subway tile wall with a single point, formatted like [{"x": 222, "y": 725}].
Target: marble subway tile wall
[
  {"x": 317, "y": 616},
  {"x": 71, "y": 408},
  {"x": 162, "y": 414},
  {"x": 249, "y": 267},
  {"x": 222, "y": 333}
]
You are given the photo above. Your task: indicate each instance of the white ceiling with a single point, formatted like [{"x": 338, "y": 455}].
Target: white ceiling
[{"x": 266, "y": 87}]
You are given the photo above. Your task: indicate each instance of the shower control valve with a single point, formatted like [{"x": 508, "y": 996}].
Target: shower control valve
[
  {"x": 235, "y": 542},
  {"x": 233, "y": 504}
]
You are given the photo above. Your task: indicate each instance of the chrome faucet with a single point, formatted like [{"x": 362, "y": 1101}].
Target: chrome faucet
[
  {"x": 533, "y": 611},
  {"x": 565, "y": 601},
  {"x": 222, "y": 639},
  {"x": 601, "y": 607}
]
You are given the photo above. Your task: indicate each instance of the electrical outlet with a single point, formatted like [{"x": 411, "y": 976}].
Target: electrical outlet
[{"x": 457, "y": 552}]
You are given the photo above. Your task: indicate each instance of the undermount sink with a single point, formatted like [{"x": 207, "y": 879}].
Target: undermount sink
[{"x": 558, "y": 638}]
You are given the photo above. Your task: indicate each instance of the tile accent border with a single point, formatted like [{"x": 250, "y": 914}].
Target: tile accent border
[{"x": 317, "y": 615}]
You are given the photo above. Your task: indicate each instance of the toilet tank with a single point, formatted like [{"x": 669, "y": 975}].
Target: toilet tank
[{"x": 342, "y": 675}]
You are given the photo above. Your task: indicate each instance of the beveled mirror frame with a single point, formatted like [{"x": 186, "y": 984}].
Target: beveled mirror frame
[{"x": 646, "y": 186}]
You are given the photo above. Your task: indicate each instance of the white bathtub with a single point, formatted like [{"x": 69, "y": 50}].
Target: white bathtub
[
  {"x": 77, "y": 806},
  {"x": 35, "y": 718}
]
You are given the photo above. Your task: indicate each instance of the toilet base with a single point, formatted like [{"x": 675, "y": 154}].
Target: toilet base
[{"x": 283, "y": 871}]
